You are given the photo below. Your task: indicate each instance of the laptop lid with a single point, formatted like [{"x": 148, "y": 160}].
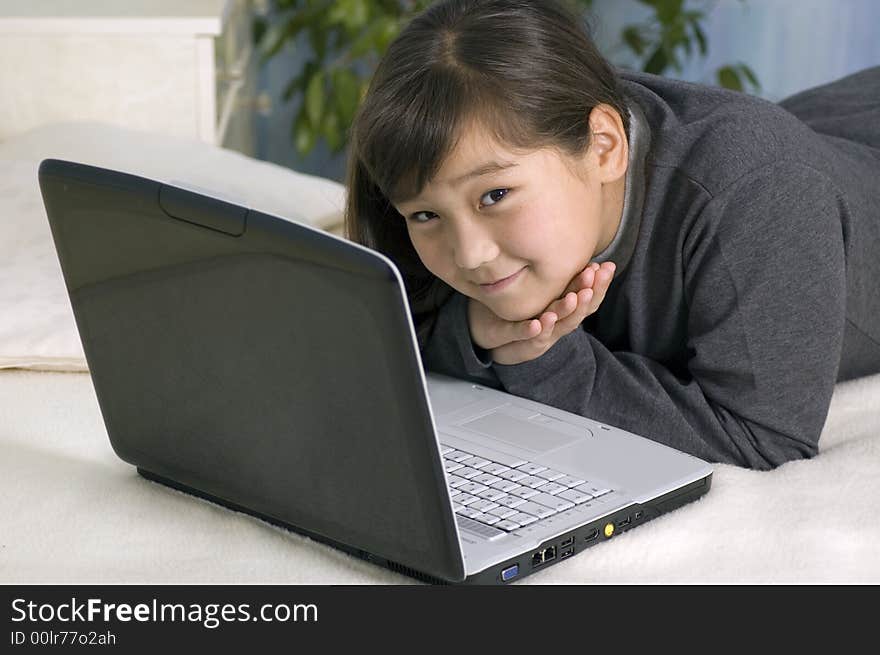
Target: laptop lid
[{"x": 260, "y": 361}]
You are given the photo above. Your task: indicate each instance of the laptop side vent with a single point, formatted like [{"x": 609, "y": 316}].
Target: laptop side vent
[{"x": 405, "y": 570}]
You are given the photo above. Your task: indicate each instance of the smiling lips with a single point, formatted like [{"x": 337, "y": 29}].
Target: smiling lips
[{"x": 503, "y": 283}]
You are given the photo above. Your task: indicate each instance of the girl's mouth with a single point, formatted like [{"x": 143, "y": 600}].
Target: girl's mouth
[{"x": 502, "y": 284}]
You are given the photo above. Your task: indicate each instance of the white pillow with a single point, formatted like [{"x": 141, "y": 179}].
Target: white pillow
[{"x": 37, "y": 328}]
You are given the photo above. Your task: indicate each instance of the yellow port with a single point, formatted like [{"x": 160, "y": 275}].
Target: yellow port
[{"x": 609, "y": 529}]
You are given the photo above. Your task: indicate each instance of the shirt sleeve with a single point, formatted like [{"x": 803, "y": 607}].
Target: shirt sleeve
[
  {"x": 450, "y": 350},
  {"x": 765, "y": 288}
]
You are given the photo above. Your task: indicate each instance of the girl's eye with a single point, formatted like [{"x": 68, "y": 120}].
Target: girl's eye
[{"x": 494, "y": 195}]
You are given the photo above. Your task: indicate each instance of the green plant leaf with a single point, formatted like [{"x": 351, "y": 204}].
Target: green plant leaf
[
  {"x": 729, "y": 78},
  {"x": 365, "y": 41},
  {"x": 314, "y": 101},
  {"x": 276, "y": 36},
  {"x": 353, "y": 14},
  {"x": 345, "y": 86},
  {"x": 632, "y": 37},
  {"x": 658, "y": 62},
  {"x": 331, "y": 132},
  {"x": 303, "y": 134},
  {"x": 668, "y": 11},
  {"x": 701, "y": 38},
  {"x": 388, "y": 31},
  {"x": 750, "y": 75}
]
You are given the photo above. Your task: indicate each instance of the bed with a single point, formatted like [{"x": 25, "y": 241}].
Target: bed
[{"x": 72, "y": 512}]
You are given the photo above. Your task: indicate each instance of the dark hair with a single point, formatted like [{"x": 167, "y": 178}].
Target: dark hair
[{"x": 527, "y": 71}]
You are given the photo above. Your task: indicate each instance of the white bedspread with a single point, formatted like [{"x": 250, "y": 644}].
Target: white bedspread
[{"x": 74, "y": 513}]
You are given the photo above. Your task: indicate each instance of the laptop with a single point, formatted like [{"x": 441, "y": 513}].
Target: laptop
[{"x": 272, "y": 368}]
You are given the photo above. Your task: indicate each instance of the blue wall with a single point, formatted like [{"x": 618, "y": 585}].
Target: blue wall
[{"x": 790, "y": 44}]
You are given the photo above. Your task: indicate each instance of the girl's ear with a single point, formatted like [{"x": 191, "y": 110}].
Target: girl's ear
[{"x": 609, "y": 149}]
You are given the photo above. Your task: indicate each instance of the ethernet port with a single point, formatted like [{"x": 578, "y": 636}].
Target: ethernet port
[
  {"x": 550, "y": 553},
  {"x": 538, "y": 558}
]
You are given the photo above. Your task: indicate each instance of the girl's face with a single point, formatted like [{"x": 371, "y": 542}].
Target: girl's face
[
  {"x": 533, "y": 224},
  {"x": 491, "y": 213}
]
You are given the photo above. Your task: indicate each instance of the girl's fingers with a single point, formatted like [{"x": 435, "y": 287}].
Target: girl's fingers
[
  {"x": 600, "y": 287},
  {"x": 588, "y": 300},
  {"x": 584, "y": 296},
  {"x": 538, "y": 326}
]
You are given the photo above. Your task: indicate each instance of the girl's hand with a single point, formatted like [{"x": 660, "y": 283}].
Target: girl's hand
[{"x": 514, "y": 342}]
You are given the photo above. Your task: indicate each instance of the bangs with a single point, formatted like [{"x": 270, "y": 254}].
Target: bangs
[{"x": 403, "y": 150}]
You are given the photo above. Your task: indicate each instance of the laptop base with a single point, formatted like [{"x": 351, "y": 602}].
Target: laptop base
[{"x": 548, "y": 553}]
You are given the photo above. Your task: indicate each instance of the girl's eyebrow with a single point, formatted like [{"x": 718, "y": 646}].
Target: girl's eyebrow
[{"x": 483, "y": 169}]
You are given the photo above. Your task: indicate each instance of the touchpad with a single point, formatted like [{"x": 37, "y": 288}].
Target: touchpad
[{"x": 521, "y": 432}]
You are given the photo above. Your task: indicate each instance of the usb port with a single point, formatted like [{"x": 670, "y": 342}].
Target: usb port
[
  {"x": 567, "y": 542},
  {"x": 568, "y": 552}
]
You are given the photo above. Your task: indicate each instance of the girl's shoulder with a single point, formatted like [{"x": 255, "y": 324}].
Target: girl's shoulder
[{"x": 714, "y": 135}]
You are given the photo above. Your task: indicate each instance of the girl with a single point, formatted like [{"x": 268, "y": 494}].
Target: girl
[{"x": 691, "y": 264}]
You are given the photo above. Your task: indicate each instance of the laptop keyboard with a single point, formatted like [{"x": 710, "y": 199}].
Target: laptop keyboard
[{"x": 492, "y": 499}]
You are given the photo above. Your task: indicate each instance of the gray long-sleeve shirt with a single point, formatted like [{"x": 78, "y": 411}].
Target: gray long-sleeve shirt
[{"x": 748, "y": 275}]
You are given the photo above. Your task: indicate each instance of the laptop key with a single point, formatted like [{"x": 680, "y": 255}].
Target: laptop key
[
  {"x": 503, "y": 512},
  {"x": 531, "y": 468},
  {"x": 468, "y": 512},
  {"x": 467, "y": 472},
  {"x": 487, "y": 479},
  {"x": 505, "y": 485},
  {"x": 553, "y": 502},
  {"x": 472, "y": 487},
  {"x": 510, "y": 501},
  {"x": 588, "y": 488},
  {"x": 476, "y": 462},
  {"x": 523, "y": 492},
  {"x": 501, "y": 458},
  {"x": 577, "y": 497},
  {"x": 507, "y": 524},
  {"x": 481, "y": 529},
  {"x": 492, "y": 494},
  {"x": 514, "y": 475},
  {"x": 488, "y": 519},
  {"x": 532, "y": 481},
  {"x": 458, "y": 455},
  {"x": 551, "y": 488},
  {"x": 451, "y": 466},
  {"x": 539, "y": 511},
  {"x": 483, "y": 505},
  {"x": 521, "y": 519},
  {"x": 550, "y": 474},
  {"x": 495, "y": 468},
  {"x": 569, "y": 481},
  {"x": 465, "y": 499}
]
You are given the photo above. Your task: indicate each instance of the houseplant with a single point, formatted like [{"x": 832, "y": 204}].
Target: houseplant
[{"x": 347, "y": 39}]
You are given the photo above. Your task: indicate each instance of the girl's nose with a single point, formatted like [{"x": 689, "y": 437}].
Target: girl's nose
[{"x": 473, "y": 247}]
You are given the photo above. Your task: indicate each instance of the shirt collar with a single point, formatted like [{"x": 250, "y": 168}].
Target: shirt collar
[{"x": 623, "y": 244}]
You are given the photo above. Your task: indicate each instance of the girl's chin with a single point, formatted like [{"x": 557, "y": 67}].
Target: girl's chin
[{"x": 511, "y": 311}]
